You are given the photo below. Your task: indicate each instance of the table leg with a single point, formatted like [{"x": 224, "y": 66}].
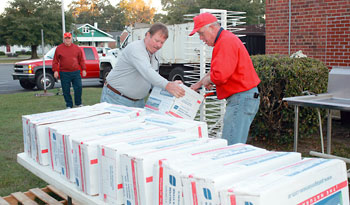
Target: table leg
[
  {"x": 329, "y": 130},
  {"x": 296, "y": 127}
]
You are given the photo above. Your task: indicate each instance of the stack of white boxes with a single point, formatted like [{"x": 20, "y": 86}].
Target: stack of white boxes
[{"x": 127, "y": 156}]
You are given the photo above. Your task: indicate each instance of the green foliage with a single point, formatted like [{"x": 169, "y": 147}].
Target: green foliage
[
  {"x": 22, "y": 21},
  {"x": 136, "y": 11},
  {"x": 2, "y": 53},
  {"x": 177, "y": 8},
  {"x": 282, "y": 77},
  {"x": 108, "y": 17}
]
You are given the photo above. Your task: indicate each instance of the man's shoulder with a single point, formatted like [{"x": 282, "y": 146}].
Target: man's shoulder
[
  {"x": 60, "y": 45},
  {"x": 135, "y": 46},
  {"x": 227, "y": 38},
  {"x": 227, "y": 34},
  {"x": 75, "y": 46}
]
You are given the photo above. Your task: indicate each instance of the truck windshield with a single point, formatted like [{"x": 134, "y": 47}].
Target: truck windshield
[{"x": 50, "y": 54}]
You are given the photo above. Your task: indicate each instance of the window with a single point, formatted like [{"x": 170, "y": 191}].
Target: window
[
  {"x": 86, "y": 29},
  {"x": 89, "y": 54}
]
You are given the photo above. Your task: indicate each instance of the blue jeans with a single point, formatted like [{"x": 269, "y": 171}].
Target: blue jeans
[
  {"x": 68, "y": 78},
  {"x": 110, "y": 97},
  {"x": 241, "y": 109}
]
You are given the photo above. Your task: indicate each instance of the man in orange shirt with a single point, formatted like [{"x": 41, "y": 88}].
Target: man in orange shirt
[
  {"x": 233, "y": 74},
  {"x": 68, "y": 61}
]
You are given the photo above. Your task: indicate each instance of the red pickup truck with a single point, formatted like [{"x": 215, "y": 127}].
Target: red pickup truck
[{"x": 30, "y": 72}]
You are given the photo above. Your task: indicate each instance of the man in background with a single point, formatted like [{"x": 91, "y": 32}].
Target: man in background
[
  {"x": 136, "y": 71},
  {"x": 67, "y": 63},
  {"x": 233, "y": 74}
]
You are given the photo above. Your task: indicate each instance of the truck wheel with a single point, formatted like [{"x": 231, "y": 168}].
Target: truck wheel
[
  {"x": 26, "y": 84},
  {"x": 176, "y": 74},
  {"x": 106, "y": 71},
  {"x": 50, "y": 81}
]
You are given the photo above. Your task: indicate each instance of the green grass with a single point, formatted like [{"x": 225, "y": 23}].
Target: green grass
[
  {"x": 13, "y": 177},
  {"x": 5, "y": 59}
]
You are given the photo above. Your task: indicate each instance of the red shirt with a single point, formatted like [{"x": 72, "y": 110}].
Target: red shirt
[
  {"x": 232, "y": 70},
  {"x": 68, "y": 58}
]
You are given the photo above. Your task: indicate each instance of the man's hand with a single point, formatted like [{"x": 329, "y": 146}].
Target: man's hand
[
  {"x": 196, "y": 86},
  {"x": 207, "y": 82},
  {"x": 84, "y": 73},
  {"x": 174, "y": 89},
  {"x": 55, "y": 74}
]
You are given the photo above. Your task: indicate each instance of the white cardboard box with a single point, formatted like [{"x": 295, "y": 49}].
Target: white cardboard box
[
  {"x": 60, "y": 142},
  {"x": 310, "y": 181},
  {"x": 168, "y": 173},
  {"x": 161, "y": 101},
  {"x": 38, "y": 131},
  {"x": 175, "y": 124},
  {"x": 85, "y": 153},
  {"x": 56, "y": 116},
  {"x": 137, "y": 166},
  {"x": 203, "y": 187},
  {"x": 111, "y": 178},
  {"x": 36, "y": 117},
  {"x": 132, "y": 112}
]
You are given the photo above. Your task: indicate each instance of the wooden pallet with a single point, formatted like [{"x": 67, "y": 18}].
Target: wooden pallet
[{"x": 46, "y": 195}]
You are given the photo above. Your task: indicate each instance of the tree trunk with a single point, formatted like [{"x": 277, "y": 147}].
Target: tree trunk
[{"x": 34, "y": 53}]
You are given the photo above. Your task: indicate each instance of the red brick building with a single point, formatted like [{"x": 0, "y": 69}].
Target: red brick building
[{"x": 320, "y": 28}]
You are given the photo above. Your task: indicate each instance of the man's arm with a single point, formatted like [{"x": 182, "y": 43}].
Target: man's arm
[
  {"x": 55, "y": 64},
  {"x": 140, "y": 60},
  {"x": 205, "y": 81},
  {"x": 81, "y": 61}
]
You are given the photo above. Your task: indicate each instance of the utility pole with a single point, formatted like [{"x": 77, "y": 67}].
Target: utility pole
[{"x": 63, "y": 22}]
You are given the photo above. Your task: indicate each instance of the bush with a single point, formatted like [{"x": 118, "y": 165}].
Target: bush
[
  {"x": 2, "y": 53},
  {"x": 281, "y": 77}
]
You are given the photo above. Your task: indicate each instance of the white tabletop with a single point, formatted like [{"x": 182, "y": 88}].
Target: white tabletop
[{"x": 55, "y": 179}]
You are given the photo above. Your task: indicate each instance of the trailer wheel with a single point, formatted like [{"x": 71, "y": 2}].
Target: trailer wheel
[{"x": 177, "y": 74}]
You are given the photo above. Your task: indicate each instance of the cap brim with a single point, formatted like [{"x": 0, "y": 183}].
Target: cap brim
[{"x": 194, "y": 31}]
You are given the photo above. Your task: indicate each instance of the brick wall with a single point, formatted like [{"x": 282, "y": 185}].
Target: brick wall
[{"x": 320, "y": 28}]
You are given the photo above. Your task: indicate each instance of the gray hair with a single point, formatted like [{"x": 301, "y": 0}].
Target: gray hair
[{"x": 213, "y": 24}]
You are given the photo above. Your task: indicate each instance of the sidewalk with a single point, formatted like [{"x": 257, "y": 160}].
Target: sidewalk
[{"x": 10, "y": 60}]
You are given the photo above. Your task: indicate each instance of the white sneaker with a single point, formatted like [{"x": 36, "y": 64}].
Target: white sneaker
[
  {"x": 68, "y": 107},
  {"x": 81, "y": 105}
]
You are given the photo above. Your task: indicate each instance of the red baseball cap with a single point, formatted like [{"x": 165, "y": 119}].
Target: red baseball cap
[
  {"x": 202, "y": 20},
  {"x": 67, "y": 35}
]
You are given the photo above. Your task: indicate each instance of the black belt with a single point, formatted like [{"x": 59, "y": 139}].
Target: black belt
[{"x": 118, "y": 93}]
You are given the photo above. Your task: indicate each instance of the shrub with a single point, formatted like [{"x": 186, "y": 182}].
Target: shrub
[
  {"x": 281, "y": 77},
  {"x": 23, "y": 52},
  {"x": 2, "y": 53}
]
